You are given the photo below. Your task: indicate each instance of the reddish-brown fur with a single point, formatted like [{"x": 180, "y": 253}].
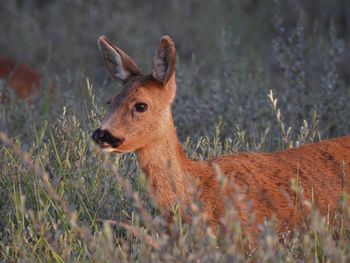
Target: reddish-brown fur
[
  {"x": 23, "y": 80},
  {"x": 263, "y": 179}
]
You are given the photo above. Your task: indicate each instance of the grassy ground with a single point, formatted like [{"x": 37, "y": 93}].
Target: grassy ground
[{"x": 61, "y": 200}]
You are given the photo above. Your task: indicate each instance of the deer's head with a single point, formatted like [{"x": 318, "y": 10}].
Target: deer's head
[{"x": 141, "y": 112}]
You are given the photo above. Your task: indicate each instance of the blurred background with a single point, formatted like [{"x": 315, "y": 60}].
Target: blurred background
[{"x": 230, "y": 54}]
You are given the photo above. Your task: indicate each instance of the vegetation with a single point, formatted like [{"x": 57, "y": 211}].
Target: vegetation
[{"x": 62, "y": 200}]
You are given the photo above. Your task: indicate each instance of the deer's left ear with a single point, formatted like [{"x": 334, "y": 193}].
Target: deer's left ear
[
  {"x": 120, "y": 66},
  {"x": 164, "y": 61}
]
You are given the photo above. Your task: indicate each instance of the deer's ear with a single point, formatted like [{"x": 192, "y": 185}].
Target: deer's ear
[
  {"x": 120, "y": 66},
  {"x": 164, "y": 61}
]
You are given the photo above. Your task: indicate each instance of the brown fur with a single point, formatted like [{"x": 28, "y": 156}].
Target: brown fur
[
  {"x": 261, "y": 178},
  {"x": 21, "y": 79}
]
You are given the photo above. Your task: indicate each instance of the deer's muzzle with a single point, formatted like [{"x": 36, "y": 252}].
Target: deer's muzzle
[{"x": 105, "y": 139}]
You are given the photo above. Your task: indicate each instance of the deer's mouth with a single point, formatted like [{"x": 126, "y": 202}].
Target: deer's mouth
[
  {"x": 107, "y": 148},
  {"x": 106, "y": 141}
]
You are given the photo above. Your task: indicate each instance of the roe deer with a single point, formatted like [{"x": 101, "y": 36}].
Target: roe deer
[
  {"x": 24, "y": 81},
  {"x": 141, "y": 121}
]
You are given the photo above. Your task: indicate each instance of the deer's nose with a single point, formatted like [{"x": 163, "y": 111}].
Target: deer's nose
[
  {"x": 105, "y": 137},
  {"x": 99, "y": 136}
]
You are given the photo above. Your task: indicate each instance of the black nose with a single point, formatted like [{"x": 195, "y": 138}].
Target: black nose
[
  {"x": 99, "y": 136},
  {"x": 103, "y": 136}
]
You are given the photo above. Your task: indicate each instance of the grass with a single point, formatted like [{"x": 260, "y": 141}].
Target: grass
[{"x": 62, "y": 200}]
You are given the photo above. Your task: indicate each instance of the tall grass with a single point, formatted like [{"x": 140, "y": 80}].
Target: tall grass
[{"x": 62, "y": 200}]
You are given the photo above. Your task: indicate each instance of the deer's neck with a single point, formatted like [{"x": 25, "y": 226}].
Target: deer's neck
[{"x": 166, "y": 167}]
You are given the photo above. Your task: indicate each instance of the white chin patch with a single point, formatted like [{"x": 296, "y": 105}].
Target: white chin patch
[{"x": 108, "y": 149}]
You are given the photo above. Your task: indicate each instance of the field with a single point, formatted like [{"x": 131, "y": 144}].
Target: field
[{"x": 251, "y": 76}]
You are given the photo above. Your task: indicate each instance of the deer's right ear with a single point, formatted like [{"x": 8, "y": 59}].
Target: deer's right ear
[
  {"x": 120, "y": 66},
  {"x": 164, "y": 60}
]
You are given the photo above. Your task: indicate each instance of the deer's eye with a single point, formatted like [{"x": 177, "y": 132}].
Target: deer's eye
[
  {"x": 141, "y": 107},
  {"x": 109, "y": 102}
]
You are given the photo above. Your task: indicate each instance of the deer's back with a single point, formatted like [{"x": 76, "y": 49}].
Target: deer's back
[{"x": 263, "y": 179}]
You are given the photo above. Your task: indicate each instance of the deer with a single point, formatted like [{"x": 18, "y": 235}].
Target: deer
[
  {"x": 24, "y": 81},
  {"x": 140, "y": 120}
]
